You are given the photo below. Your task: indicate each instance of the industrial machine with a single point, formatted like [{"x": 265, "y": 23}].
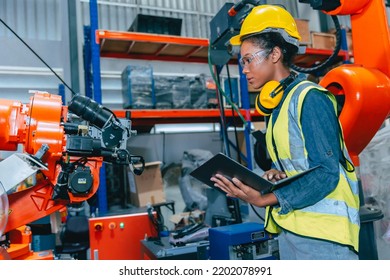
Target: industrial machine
[
  {"x": 225, "y": 24},
  {"x": 361, "y": 88},
  {"x": 64, "y": 148},
  {"x": 118, "y": 237},
  {"x": 246, "y": 241}
]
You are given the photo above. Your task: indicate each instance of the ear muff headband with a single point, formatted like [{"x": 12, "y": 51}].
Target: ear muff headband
[{"x": 271, "y": 94}]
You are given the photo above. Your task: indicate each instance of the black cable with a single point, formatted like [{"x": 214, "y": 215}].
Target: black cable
[
  {"x": 158, "y": 221},
  {"x": 10, "y": 29},
  {"x": 233, "y": 115},
  {"x": 153, "y": 220},
  {"x": 222, "y": 115},
  {"x": 256, "y": 213},
  {"x": 330, "y": 59}
]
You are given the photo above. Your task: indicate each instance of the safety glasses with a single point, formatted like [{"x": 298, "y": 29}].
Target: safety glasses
[{"x": 258, "y": 56}]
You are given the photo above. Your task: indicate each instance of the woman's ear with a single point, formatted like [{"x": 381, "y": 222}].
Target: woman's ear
[{"x": 276, "y": 54}]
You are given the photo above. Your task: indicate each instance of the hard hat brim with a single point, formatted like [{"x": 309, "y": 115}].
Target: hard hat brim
[{"x": 235, "y": 40}]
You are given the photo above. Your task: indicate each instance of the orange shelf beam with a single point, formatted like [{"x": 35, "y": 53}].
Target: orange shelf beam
[
  {"x": 149, "y": 117},
  {"x": 148, "y": 37},
  {"x": 138, "y": 45}
]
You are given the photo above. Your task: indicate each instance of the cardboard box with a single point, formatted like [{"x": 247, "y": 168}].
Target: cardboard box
[
  {"x": 303, "y": 30},
  {"x": 147, "y": 188},
  {"x": 324, "y": 41},
  {"x": 348, "y": 37}
]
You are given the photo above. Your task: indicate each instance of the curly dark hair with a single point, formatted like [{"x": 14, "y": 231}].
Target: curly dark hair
[{"x": 269, "y": 40}]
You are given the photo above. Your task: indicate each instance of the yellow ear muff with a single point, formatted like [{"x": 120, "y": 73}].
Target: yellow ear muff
[{"x": 269, "y": 97}]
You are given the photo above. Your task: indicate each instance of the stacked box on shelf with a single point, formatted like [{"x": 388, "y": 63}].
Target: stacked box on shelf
[
  {"x": 156, "y": 24},
  {"x": 172, "y": 92},
  {"x": 303, "y": 30},
  {"x": 137, "y": 87},
  {"x": 163, "y": 91},
  {"x": 181, "y": 98},
  {"x": 203, "y": 92},
  {"x": 322, "y": 40},
  {"x": 180, "y": 92},
  {"x": 198, "y": 92},
  {"x": 348, "y": 37}
]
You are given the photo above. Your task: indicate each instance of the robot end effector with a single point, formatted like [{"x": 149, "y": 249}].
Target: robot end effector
[{"x": 106, "y": 136}]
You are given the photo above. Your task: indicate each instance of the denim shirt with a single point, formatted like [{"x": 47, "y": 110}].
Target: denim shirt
[{"x": 321, "y": 135}]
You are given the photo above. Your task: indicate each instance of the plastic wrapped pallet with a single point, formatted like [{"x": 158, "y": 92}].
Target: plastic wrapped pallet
[
  {"x": 172, "y": 92},
  {"x": 180, "y": 92},
  {"x": 137, "y": 87},
  {"x": 198, "y": 92},
  {"x": 163, "y": 91},
  {"x": 181, "y": 98}
]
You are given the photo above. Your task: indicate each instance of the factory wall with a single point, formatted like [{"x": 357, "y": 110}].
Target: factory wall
[{"x": 43, "y": 25}]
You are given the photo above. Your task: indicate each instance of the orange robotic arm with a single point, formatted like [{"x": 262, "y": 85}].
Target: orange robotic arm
[
  {"x": 365, "y": 84},
  {"x": 33, "y": 125}
]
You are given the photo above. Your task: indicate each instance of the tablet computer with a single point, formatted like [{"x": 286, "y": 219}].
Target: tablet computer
[{"x": 222, "y": 164}]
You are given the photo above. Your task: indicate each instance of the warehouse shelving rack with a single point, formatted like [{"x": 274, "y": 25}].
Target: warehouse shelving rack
[{"x": 146, "y": 46}]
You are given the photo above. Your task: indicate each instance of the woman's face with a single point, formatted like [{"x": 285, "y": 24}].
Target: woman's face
[{"x": 256, "y": 64}]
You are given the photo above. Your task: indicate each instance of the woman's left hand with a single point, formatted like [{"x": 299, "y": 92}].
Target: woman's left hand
[{"x": 237, "y": 189}]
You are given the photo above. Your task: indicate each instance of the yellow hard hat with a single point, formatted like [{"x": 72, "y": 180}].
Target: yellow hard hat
[{"x": 268, "y": 18}]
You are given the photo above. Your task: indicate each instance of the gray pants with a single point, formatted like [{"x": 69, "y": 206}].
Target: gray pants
[{"x": 294, "y": 247}]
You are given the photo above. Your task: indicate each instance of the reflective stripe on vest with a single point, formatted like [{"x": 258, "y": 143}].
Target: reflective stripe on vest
[{"x": 336, "y": 217}]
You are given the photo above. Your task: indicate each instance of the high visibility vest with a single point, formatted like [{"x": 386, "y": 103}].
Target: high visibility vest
[{"x": 334, "y": 218}]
